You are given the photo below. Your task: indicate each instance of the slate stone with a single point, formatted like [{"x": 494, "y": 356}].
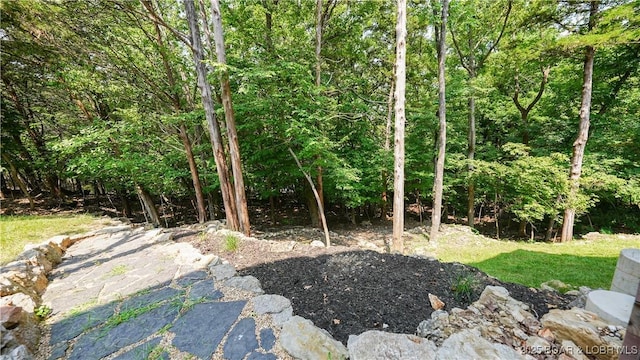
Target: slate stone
[
  {"x": 69, "y": 328},
  {"x": 58, "y": 351},
  {"x": 154, "y": 296},
  {"x": 204, "y": 290},
  {"x": 104, "y": 341},
  {"x": 267, "y": 339},
  {"x": 142, "y": 351},
  {"x": 222, "y": 271},
  {"x": 200, "y": 330},
  {"x": 242, "y": 340},
  {"x": 191, "y": 278},
  {"x": 261, "y": 356},
  {"x": 247, "y": 283}
]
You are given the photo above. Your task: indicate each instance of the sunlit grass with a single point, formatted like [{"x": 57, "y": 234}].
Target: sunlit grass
[
  {"x": 18, "y": 231},
  {"x": 578, "y": 263}
]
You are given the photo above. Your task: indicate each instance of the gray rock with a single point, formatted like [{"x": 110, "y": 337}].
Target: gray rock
[
  {"x": 267, "y": 339},
  {"x": 67, "y": 329},
  {"x": 537, "y": 345},
  {"x": 270, "y": 304},
  {"x": 150, "y": 297},
  {"x": 102, "y": 342},
  {"x": 241, "y": 340},
  {"x": 112, "y": 229},
  {"x": 6, "y": 337},
  {"x": 468, "y": 344},
  {"x": 58, "y": 351},
  {"x": 222, "y": 272},
  {"x": 317, "y": 243},
  {"x": 302, "y": 340},
  {"x": 204, "y": 289},
  {"x": 19, "y": 353},
  {"x": 143, "y": 351},
  {"x": 194, "y": 331},
  {"x": 378, "y": 345},
  {"x": 261, "y": 356},
  {"x": 246, "y": 283},
  {"x": 191, "y": 278},
  {"x": 282, "y": 317}
]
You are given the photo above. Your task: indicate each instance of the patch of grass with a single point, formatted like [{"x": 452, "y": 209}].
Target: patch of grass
[
  {"x": 42, "y": 312},
  {"x": 129, "y": 314},
  {"x": 463, "y": 286},
  {"x": 118, "y": 270},
  {"x": 579, "y": 262},
  {"x": 79, "y": 309},
  {"x": 18, "y": 231},
  {"x": 231, "y": 243}
]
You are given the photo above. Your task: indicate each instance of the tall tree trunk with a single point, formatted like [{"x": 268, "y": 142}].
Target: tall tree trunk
[
  {"x": 387, "y": 146},
  {"x": 583, "y": 134},
  {"x": 442, "y": 117},
  {"x": 471, "y": 151},
  {"x": 318, "y": 77},
  {"x": 397, "y": 244},
  {"x": 524, "y": 111},
  {"x": 149, "y": 206},
  {"x": 195, "y": 176},
  {"x": 228, "y": 197},
  {"x": 234, "y": 147}
]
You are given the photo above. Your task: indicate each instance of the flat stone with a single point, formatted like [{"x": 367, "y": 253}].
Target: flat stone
[
  {"x": 67, "y": 329},
  {"x": 613, "y": 307},
  {"x": 200, "y": 330},
  {"x": 261, "y": 356},
  {"x": 379, "y": 345},
  {"x": 21, "y": 300},
  {"x": 205, "y": 290},
  {"x": 112, "y": 229},
  {"x": 102, "y": 342},
  {"x": 19, "y": 353},
  {"x": 143, "y": 351},
  {"x": 150, "y": 297},
  {"x": 303, "y": 340},
  {"x": 10, "y": 316},
  {"x": 241, "y": 340},
  {"x": 267, "y": 339},
  {"x": 222, "y": 272},
  {"x": 270, "y": 304},
  {"x": 191, "y": 278},
  {"x": 469, "y": 344},
  {"x": 58, "y": 351},
  {"x": 246, "y": 283}
]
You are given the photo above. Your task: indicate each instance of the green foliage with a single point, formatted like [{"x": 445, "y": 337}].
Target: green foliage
[
  {"x": 42, "y": 312},
  {"x": 231, "y": 243},
  {"x": 464, "y": 285}
]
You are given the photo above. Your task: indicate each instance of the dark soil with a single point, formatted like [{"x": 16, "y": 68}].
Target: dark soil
[{"x": 348, "y": 291}]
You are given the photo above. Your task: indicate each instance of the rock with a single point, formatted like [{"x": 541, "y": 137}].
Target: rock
[
  {"x": 21, "y": 300},
  {"x": 62, "y": 241},
  {"x": 555, "y": 285},
  {"x": 241, "y": 340},
  {"x": 222, "y": 272},
  {"x": 571, "y": 349},
  {"x": 379, "y": 345},
  {"x": 10, "y": 316},
  {"x": 19, "y": 353},
  {"x": 537, "y": 345},
  {"x": 246, "y": 283},
  {"x": 270, "y": 304},
  {"x": 581, "y": 327},
  {"x": 6, "y": 338},
  {"x": 317, "y": 243},
  {"x": 302, "y": 340},
  {"x": 436, "y": 303},
  {"x": 468, "y": 344},
  {"x": 267, "y": 339},
  {"x": 281, "y": 246}
]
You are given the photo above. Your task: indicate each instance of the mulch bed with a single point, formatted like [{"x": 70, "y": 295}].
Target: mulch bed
[{"x": 348, "y": 291}]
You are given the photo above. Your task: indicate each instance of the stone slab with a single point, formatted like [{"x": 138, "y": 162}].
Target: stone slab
[
  {"x": 241, "y": 340},
  {"x": 143, "y": 351},
  {"x": 204, "y": 289},
  {"x": 68, "y": 328}
]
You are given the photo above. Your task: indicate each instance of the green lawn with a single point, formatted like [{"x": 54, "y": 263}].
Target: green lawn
[
  {"x": 580, "y": 262},
  {"x": 17, "y": 231}
]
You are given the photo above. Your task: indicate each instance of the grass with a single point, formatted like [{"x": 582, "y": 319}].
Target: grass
[
  {"x": 18, "y": 231},
  {"x": 231, "y": 243},
  {"x": 118, "y": 270},
  {"x": 578, "y": 263}
]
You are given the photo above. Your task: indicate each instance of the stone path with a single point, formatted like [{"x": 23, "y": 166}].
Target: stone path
[{"x": 133, "y": 294}]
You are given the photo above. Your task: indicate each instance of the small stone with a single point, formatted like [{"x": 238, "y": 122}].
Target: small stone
[
  {"x": 436, "y": 303},
  {"x": 222, "y": 272},
  {"x": 241, "y": 340},
  {"x": 267, "y": 339},
  {"x": 247, "y": 283},
  {"x": 520, "y": 334},
  {"x": 260, "y": 356},
  {"x": 317, "y": 243},
  {"x": 270, "y": 304},
  {"x": 10, "y": 316},
  {"x": 547, "y": 334},
  {"x": 612, "y": 328},
  {"x": 302, "y": 340}
]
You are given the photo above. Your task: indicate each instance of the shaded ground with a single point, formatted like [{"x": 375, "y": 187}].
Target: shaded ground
[{"x": 348, "y": 291}]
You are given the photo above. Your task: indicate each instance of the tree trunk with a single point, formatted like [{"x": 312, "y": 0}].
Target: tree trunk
[
  {"x": 387, "y": 146},
  {"x": 583, "y": 135},
  {"x": 195, "y": 176},
  {"x": 315, "y": 193},
  {"x": 397, "y": 244},
  {"x": 471, "y": 151},
  {"x": 228, "y": 197},
  {"x": 16, "y": 179},
  {"x": 234, "y": 147},
  {"x": 442, "y": 117},
  {"x": 149, "y": 206},
  {"x": 318, "y": 74}
]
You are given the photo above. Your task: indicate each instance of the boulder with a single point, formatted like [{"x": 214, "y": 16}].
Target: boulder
[
  {"x": 469, "y": 344},
  {"x": 21, "y": 300},
  {"x": 10, "y": 316},
  {"x": 379, "y": 345},
  {"x": 317, "y": 243},
  {"x": 222, "y": 271},
  {"x": 583, "y": 328},
  {"x": 302, "y": 340}
]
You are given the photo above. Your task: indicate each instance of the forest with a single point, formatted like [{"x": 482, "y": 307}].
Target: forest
[{"x": 258, "y": 111}]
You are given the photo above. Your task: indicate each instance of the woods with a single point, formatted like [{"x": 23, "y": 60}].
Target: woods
[{"x": 199, "y": 106}]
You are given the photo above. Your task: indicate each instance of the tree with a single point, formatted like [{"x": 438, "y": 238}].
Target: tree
[
  {"x": 234, "y": 148},
  {"x": 442, "y": 117},
  {"x": 397, "y": 243},
  {"x": 583, "y": 133},
  {"x": 480, "y": 43}
]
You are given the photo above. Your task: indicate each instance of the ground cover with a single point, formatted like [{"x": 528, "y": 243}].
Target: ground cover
[{"x": 18, "y": 231}]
